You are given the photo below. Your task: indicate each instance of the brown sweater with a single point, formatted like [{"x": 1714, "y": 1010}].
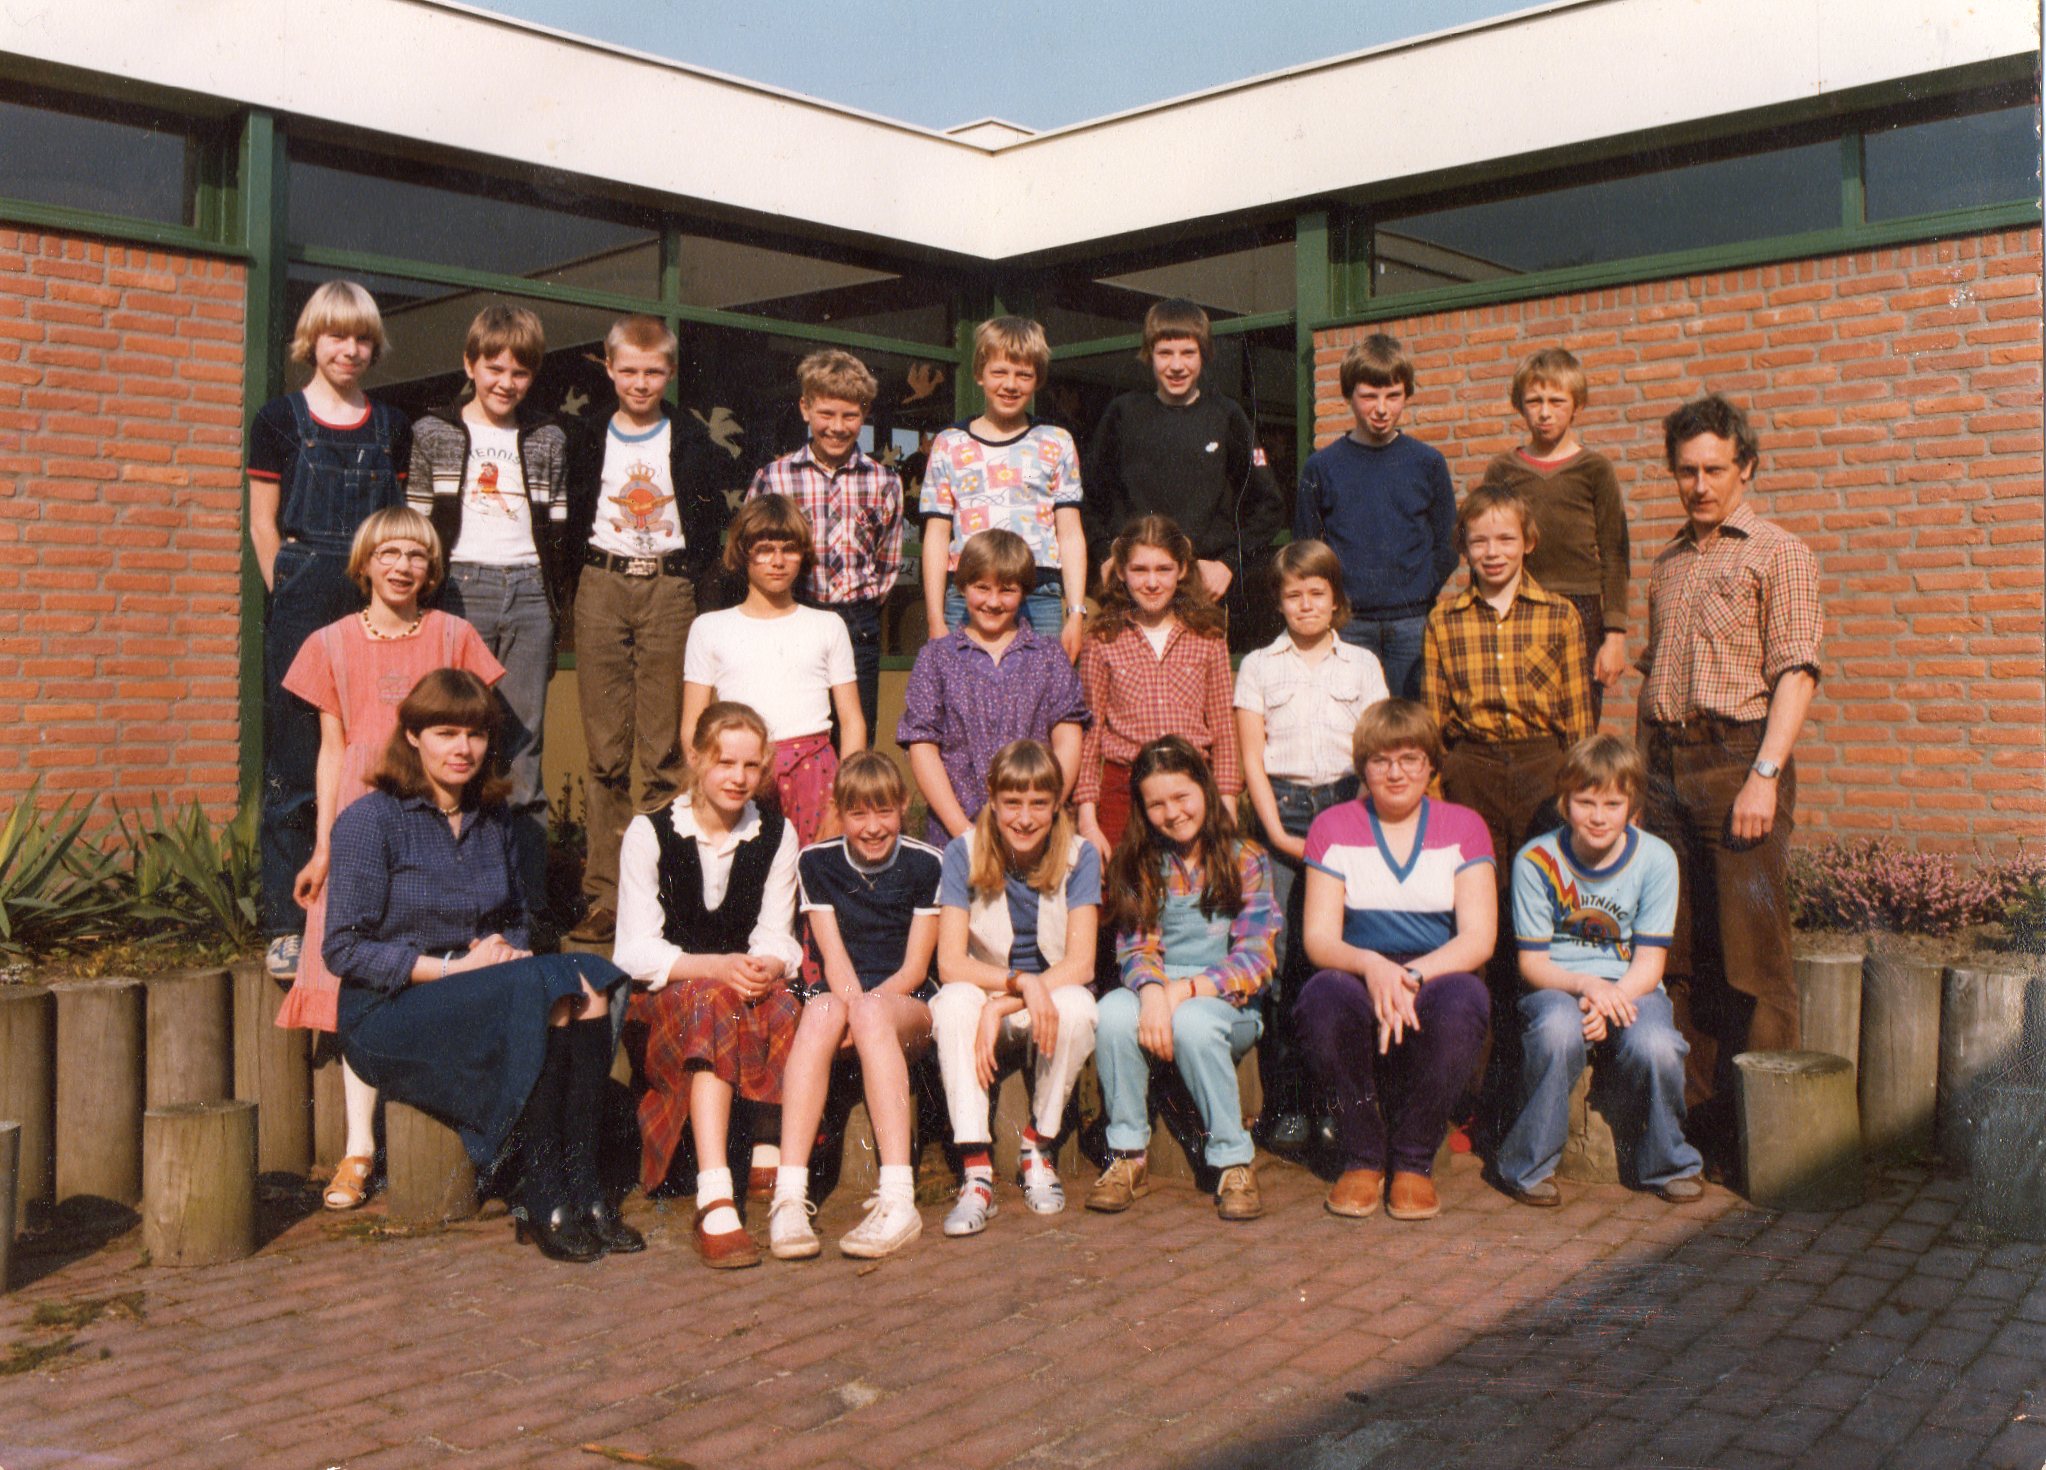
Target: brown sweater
[{"x": 1582, "y": 547}]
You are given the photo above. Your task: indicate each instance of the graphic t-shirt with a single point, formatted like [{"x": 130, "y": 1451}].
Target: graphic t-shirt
[
  {"x": 1392, "y": 907},
  {"x": 875, "y": 906},
  {"x": 1003, "y": 484},
  {"x": 1590, "y": 919},
  {"x": 636, "y": 513},
  {"x": 497, "y": 518}
]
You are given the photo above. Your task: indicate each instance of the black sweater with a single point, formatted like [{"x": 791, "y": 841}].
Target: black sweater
[{"x": 1196, "y": 463}]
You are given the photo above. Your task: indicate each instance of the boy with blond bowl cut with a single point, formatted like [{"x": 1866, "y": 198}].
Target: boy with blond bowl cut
[
  {"x": 854, "y": 505},
  {"x": 493, "y": 485},
  {"x": 1594, "y": 910},
  {"x": 644, "y": 516},
  {"x": 1383, "y": 501},
  {"x": 1005, "y": 471},
  {"x": 1582, "y": 550}
]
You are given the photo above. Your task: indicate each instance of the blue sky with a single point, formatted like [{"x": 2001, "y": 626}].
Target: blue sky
[{"x": 1043, "y": 63}]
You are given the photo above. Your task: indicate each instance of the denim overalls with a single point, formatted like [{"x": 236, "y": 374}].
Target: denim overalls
[{"x": 334, "y": 488}]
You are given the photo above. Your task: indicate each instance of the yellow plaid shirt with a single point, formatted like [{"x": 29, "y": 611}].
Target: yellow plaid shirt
[{"x": 1516, "y": 677}]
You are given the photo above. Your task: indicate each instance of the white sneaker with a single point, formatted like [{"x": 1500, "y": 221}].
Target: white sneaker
[
  {"x": 789, "y": 1236},
  {"x": 890, "y": 1225},
  {"x": 975, "y": 1207},
  {"x": 1041, "y": 1188},
  {"x": 280, "y": 960}
]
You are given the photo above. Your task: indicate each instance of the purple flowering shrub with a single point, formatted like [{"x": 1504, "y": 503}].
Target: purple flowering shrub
[{"x": 1877, "y": 884}]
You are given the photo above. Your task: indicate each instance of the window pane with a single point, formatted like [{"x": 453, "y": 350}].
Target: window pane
[
  {"x": 1232, "y": 283},
  {"x": 1788, "y": 192},
  {"x": 79, "y": 162},
  {"x": 1955, "y": 163},
  {"x": 730, "y": 275},
  {"x": 344, "y": 210}
]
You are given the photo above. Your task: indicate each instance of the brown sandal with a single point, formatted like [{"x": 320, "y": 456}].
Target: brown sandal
[{"x": 349, "y": 1187}]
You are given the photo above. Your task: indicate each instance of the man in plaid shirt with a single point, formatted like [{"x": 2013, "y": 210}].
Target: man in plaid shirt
[
  {"x": 1503, "y": 673},
  {"x": 1732, "y": 664},
  {"x": 854, "y": 504}
]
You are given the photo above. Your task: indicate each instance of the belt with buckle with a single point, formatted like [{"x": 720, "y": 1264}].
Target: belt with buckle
[{"x": 674, "y": 564}]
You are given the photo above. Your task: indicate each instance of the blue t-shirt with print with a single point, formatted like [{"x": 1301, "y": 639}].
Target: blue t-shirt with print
[{"x": 1589, "y": 920}]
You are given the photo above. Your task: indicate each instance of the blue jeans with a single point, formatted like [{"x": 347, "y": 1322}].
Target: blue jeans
[
  {"x": 863, "y": 625},
  {"x": 508, "y": 608},
  {"x": 1649, "y": 1057},
  {"x": 1397, "y": 642},
  {"x": 1209, "y": 1037},
  {"x": 1044, "y": 605},
  {"x": 1279, "y": 1052}
]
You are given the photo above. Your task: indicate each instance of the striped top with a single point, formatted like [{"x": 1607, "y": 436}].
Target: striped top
[{"x": 1398, "y": 907}]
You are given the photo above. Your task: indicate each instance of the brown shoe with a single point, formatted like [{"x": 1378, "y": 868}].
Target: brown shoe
[
  {"x": 1356, "y": 1194},
  {"x": 759, "y": 1183},
  {"x": 1412, "y": 1197},
  {"x": 1122, "y": 1184},
  {"x": 1236, "y": 1196},
  {"x": 1541, "y": 1195},
  {"x": 599, "y": 926},
  {"x": 731, "y": 1251}
]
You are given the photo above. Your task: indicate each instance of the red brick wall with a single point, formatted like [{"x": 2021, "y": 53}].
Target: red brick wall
[
  {"x": 120, "y": 519},
  {"x": 1898, "y": 397}
]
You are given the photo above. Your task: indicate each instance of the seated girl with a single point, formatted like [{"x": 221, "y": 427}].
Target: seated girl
[
  {"x": 1196, "y": 937},
  {"x": 706, "y": 922},
  {"x": 1401, "y": 913},
  {"x": 440, "y": 1004},
  {"x": 871, "y": 896},
  {"x": 1021, "y": 898}
]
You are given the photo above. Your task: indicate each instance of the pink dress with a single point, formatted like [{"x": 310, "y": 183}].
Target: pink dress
[{"x": 344, "y": 672}]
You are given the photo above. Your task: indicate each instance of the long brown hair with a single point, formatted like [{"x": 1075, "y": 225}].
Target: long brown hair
[
  {"x": 1190, "y": 601},
  {"x": 444, "y": 697},
  {"x": 1136, "y": 871},
  {"x": 1021, "y": 765}
]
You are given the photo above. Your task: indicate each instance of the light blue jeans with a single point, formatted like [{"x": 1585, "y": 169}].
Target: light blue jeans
[
  {"x": 1398, "y": 643},
  {"x": 1649, "y": 1056},
  {"x": 1209, "y": 1037}
]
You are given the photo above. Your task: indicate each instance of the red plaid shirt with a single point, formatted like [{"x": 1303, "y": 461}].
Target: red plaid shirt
[
  {"x": 856, "y": 515},
  {"x": 1137, "y": 696}
]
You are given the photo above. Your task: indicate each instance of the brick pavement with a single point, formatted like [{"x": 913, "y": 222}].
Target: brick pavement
[{"x": 1615, "y": 1331}]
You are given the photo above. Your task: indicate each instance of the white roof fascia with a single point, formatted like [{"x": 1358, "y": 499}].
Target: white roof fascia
[{"x": 1557, "y": 75}]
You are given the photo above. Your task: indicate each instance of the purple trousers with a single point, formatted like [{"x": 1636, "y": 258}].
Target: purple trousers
[{"x": 1392, "y": 1108}]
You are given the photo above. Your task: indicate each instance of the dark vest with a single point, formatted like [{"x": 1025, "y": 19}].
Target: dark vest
[{"x": 726, "y": 928}]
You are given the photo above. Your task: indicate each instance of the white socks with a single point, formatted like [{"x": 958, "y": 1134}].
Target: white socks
[
  {"x": 359, "y": 1104},
  {"x": 898, "y": 1182},
  {"x": 716, "y": 1184},
  {"x": 791, "y": 1181}
]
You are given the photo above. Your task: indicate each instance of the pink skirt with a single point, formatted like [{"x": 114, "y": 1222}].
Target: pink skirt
[{"x": 804, "y": 769}]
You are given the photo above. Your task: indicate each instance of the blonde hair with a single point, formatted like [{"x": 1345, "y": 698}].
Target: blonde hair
[
  {"x": 1558, "y": 367},
  {"x": 716, "y": 719},
  {"x": 1311, "y": 558},
  {"x": 1021, "y": 765},
  {"x": 836, "y": 373},
  {"x": 1395, "y": 724},
  {"x": 396, "y": 523},
  {"x": 868, "y": 780},
  {"x": 1016, "y": 337},
  {"x": 344, "y": 309},
  {"x": 999, "y": 556},
  {"x": 1599, "y": 762},
  {"x": 645, "y": 334}
]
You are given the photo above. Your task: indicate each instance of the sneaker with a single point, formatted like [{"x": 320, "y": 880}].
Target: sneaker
[
  {"x": 1236, "y": 1195},
  {"x": 280, "y": 960},
  {"x": 1122, "y": 1184},
  {"x": 789, "y": 1236},
  {"x": 890, "y": 1225},
  {"x": 1682, "y": 1191},
  {"x": 1541, "y": 1195},
  {"x": 599, "y": 926},
  {"x": 976, "y": 1206},
  {"x": 1041, "y": 1188}
]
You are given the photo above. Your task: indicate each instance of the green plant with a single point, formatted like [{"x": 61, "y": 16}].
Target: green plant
[
  {"x": 186, "y": 875},
  {"x": 56, "y": 887}
]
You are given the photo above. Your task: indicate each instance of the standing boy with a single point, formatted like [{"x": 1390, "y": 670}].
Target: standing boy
[
  {"x": 854, "y": 505},
  {"x": 1180, "y": 452},
  {"x": 644, "y": 513},
  {"x": 493, "y": 486},
  {"x": 1382, "y": 499},
  {"x": 1581, "y": 553}
]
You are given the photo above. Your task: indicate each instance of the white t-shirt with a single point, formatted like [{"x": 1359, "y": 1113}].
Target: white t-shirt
[
  {"x": 1158, "y": 635},
  {"x": 497, "y": 518},
  {"x": 784, "y": 667},
  {"x": 636, "y": 513}
]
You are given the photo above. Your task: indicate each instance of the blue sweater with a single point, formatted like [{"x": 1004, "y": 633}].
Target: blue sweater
[{"x": 1390, "y": 515}]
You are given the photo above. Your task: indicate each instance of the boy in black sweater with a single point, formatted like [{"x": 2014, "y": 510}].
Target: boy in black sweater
[{"x": 1179, "y": 452}]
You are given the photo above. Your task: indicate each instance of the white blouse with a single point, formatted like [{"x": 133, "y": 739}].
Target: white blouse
[{"x": 642, "y": 951}]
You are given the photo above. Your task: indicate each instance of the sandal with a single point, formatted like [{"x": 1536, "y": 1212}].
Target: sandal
[{"x": 350, "y": 1184}]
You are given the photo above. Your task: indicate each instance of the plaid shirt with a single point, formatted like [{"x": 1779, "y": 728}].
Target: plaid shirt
[
  {"x": 1253, "y": 932},
  {"x": 1516, "y": 677},
  {"x": 1728, "y": 619},
  {"x": 856, "y": 515},
  {"x": 1137, "y": 696}
]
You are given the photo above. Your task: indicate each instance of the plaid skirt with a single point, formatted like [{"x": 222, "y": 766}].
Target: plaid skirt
[{"x": 696, "y": 1025}]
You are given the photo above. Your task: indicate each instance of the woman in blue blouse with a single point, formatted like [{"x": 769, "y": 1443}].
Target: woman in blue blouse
[{"x": 442, "y": 1006}]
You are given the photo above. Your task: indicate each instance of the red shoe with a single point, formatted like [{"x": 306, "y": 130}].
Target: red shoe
[{"x": 732, "y": 1251}]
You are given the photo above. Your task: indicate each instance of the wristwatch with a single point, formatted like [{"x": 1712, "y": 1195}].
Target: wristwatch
[{"x": 1767, "y": 770}]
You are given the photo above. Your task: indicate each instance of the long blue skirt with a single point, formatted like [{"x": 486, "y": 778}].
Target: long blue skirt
[{"x": 467, "y": 1049}]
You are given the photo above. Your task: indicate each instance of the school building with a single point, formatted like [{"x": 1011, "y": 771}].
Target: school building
[{"x": 1828, "y": 209}]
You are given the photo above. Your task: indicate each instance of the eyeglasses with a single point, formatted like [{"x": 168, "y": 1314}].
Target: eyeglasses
[
  {"x": 1412, "y": 762},
  {"x": 391, "y": 556},
  {"x": 776, "y": 551}
]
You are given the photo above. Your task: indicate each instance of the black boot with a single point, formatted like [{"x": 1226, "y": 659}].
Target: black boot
[
  {"x": 551, "y": 1221},
  {"x": 582, "y": 1117}
]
